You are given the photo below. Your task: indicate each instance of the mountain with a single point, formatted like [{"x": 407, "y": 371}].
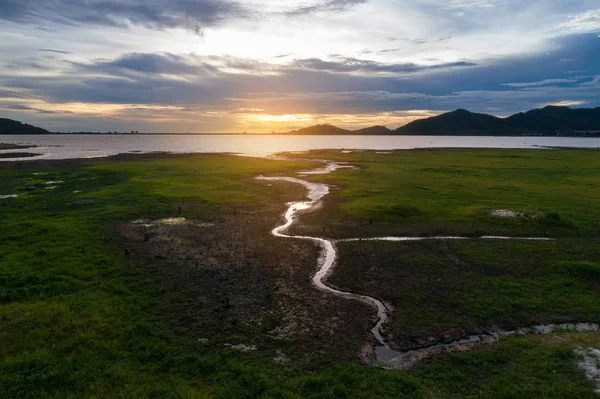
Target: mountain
[
  {"x": 460, "y": 121},
  {"x": 550, "y": 120},
  {"x": 327, "y": 129},
  {"x": 374, "y": 130},
  {"x": 9, "y": 126},
  {"x": 558, "y": 118},
  {"x": 321, "y": 129}
]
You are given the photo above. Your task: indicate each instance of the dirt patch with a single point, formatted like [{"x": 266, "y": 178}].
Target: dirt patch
[{"x": 228, "y": 280}]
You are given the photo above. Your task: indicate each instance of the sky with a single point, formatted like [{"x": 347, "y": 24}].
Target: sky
[{"x": 260, "y": 66}]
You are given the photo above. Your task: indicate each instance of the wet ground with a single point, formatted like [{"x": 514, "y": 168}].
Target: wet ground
[
  {"x": 18, "y": 154},
  {"x": 227, "y": 281},
  {"x": 8, "y": 146}
]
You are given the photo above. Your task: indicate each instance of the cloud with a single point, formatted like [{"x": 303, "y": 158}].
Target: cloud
[
  {"x": 545, "y": 82},
  {"x": 147, "y": 63},
  {"x": 467, "y": 4},
  {"x": 49, "y": 50},
  {"x": 330, "y": 6},
  {"x": 155, "y": 14},
  {"x": 222, "y": 85},
  {"x": 20, "y": 107},
  {"x": 350, "y": 65},
  {"x": 389, "y": 50},
  {"x": 565, "y": 103},
  {"x": 588, "y": 21}
]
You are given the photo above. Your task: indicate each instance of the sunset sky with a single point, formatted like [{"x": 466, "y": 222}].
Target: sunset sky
[{"x": 262, "y": 66}]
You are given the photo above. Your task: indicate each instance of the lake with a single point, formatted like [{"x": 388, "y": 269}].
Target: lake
[{"x": 88, "y": 146}]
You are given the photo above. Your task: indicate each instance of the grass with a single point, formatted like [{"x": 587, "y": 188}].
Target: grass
[
  {"x": 445, "y": 290},
  {"x": 433, "y": 192},
  {"x": 78, "y": 316}
]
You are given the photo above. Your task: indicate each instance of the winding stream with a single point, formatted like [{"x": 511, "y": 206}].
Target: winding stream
[{"x": 386, "y": 357}]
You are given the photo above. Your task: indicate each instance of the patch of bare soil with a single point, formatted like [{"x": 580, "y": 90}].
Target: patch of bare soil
[{"x": 226, "y": 281}]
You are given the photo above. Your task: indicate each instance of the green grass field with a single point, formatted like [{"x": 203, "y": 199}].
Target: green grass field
[
  {"x": 430, "y": 192},
  {"x": 80, "y": 316}
]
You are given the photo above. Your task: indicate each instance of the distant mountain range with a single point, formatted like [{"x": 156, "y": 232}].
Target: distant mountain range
[
  {"x": 548, "y": 121},
  {"x": 9, "y": 126},
  {"x": 327, "y": 129}
]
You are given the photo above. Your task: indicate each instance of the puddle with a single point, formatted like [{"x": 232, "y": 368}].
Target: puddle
[
  {"x": 54, "y": 182},
  {"x": 241, "y": 347},
  {"x": 8, "y": 196},
  {"x": 590, "y": 364},
  {"x": 390, "y": 359},
  {"x": 446, "y": 238},
  {"x": 330, "y": 167},
  {"x": 509, "y": 213},
  {"x": 281, "y": 358},
  {"x": 169, "y": 222},
  {"x": 383, "y": 152}
]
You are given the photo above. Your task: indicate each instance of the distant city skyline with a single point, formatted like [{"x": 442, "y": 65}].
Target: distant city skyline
[{"x": 262, "y": 66}]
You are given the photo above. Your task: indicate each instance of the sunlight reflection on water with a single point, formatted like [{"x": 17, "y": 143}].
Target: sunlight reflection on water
[{"x": 87, "y": 146}]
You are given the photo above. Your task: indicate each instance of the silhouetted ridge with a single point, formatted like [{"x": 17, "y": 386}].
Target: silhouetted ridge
[
  {"x": 459, "y": 121},
  {"x": 321, "y": 129},
  {"x": 550, "y": 120},
  {"x": 558, "y": 118},
  {"x": 328, "y": 129},
  {"x": 9, "y": 126},
  {"x": 373, "y": 130}
]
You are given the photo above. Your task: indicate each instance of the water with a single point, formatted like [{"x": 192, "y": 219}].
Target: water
[
  {"x": 88, "y": 146},
  {"x": 326, "y": 263},
  {"x": 385, "y": 356}
]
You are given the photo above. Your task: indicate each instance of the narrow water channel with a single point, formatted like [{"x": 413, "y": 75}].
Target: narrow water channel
[{"x": 386, "y": 356}]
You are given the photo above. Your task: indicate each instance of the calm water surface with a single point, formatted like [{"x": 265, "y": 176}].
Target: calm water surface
[{"x": 83, "y": 146}]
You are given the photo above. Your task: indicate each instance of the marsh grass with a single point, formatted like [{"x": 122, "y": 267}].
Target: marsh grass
[
  {"x": 430, "y": 192},
  {"x": 76, "y": 314}
]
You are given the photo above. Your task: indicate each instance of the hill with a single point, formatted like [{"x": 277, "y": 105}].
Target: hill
[
  {"x": 327, "y": 129},
  {"x": 460, "y": 121},
  {"x": 550, "y": 120},
  {"x": 557, "y": 118},
  {"x": 9, "y": 126},
  {"x": 324, "y": 129},
  {"x": 374, "y": 130}
]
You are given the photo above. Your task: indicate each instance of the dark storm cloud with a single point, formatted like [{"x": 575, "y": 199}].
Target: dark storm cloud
[
  {"x": 347, "y": 65},
  {"x": 330, "y": 6},
  {"x": 158, "y": 14}
]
